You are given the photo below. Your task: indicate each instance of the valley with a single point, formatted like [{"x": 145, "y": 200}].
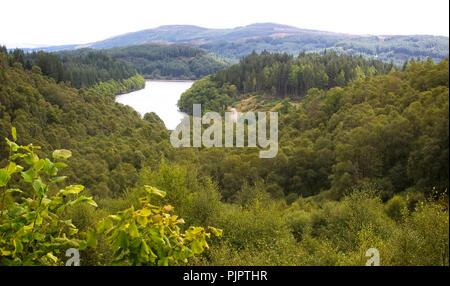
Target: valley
[{"x": 359, "y": 129}]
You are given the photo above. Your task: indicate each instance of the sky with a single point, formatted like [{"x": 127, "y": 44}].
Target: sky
[{"x": 29, "y": 23}]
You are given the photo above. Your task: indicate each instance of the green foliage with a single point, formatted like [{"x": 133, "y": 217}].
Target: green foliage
[
  {"x": 82, "y": 68},
  {"x": 395, "y": 208},
  {"x": 151, "y": 235},
  {"x": 113, "y": 87},
  {"x": 167, "y": 61},
  {"x": 279, "y": 75},
  {"x": 388, "y": 130},
  {"x": 33, "y": 229},
  {"x": 111, "y": 142},
  {"x": 423, "y": 239},
  {"x": 354, "y": 168},
  {"x": 208, "y": 93}
]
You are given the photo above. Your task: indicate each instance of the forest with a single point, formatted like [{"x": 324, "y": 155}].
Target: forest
[
  {"x": 279, "y": 76},
  {"x": 168, "y": 61},
  {"x": 388, "y": 49},
  {"x": 81, "y": 69},
  {"x": 363, "y": 163}
]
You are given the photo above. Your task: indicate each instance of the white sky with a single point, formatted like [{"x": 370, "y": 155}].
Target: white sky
[{"x": 57, "y": 22}]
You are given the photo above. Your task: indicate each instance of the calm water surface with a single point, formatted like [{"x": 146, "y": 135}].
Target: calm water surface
[{"x": 160, "y": 97}]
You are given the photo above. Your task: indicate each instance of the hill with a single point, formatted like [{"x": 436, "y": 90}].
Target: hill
[
  {"x": 80, "y": 69},
  {"x": 278, "y": 76},
  {"x": 167, "y": 61},
  {"x": 233, "y": 44}
]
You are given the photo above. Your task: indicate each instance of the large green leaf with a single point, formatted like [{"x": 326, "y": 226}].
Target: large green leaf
[
  {"x": 155, "y": 191},
  {"x": 28, "y": 175},
  {"x": 39, "y": 187},
  {"x": 4, "y": 177},
  {"x": 62, "y": 154},
  {"x": 14, "y": 147},
  {"x": 83, "y": 199},
  {"x": 72, "y": 190}
]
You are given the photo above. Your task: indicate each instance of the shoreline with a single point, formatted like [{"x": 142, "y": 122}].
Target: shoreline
[
  {"x": 156, "y": 80},
  {"x": 172, "y": 80}
]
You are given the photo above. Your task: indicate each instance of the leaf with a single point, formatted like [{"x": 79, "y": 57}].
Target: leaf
[
  {"x": 142, "y": 220},
  {"x": 39, "y": 187},
  {"x": 18, "y": 246},
  {"x": 168, "y": 208},
  {"x": 83, "y": 199},
  {"x": 217, "y": 232},
  {"x": 39, "y": 165},
  {"x": 58, "y": 179},
  {"x": 28, "y": 158},
  {"x": 164, "y": 261},
  {"x": 28, "y": 175},
  {"x": 196, "y": 246},
  {"x": 91, "y": 239},
  {"x": 73, "y": 231},
  {"x": 14, "y": 147},
  {"x": 72, "y": 190},
  {"x": 60, "y": 165},
  {"x": 49, "y": 168},
  {"x": 62, "y": 154},
  {"x": 4, "y": 177},
  {"x": 144, "y": 248},
  {"x": 133, "y": 230},
  {"x": 14, "y": 133},
  {"x": 144, "y": 212},
  {"x": 17, "y": 155},
  {"x": 155, "y": 191},
  {"x": 104, "y": 225},
  {"x": 45, "y": 201},
  {"x": 52, "y": 257},
  {"x": 11, "y": 169},
  {"x": 4, "y": 252},
  {"x": 39, "y": 220}
]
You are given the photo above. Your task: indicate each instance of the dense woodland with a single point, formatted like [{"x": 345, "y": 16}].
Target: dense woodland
[
  {"x": 168, "y": 61},
  {"x": 80, "y": 69},
  {"x": 394, "y": 49},
  {"x": 279, "y": 76},
  {"x": 362, "y": 164}
]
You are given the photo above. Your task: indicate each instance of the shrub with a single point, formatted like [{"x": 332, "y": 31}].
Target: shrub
[{"x": 395, "y": 208}]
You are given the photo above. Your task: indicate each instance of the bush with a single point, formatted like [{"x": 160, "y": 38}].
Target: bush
[{"x": 395, "y": 208}]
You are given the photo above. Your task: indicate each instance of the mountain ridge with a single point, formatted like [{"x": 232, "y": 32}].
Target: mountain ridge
[
  {"x": 260, "y": 25},
  {"x": 234, "y": 43}
]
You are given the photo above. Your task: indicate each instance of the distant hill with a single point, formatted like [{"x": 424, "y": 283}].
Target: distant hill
[{"x": 233, "y": 44}]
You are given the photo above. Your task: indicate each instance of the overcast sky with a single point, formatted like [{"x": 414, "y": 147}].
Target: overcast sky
[{"x": 57, "y": 22}]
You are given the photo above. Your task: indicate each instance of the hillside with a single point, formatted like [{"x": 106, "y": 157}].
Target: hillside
[
  {"x": 360, "y": 165},
  {"x": 360, "y": 122},
  {"x": 80, "y": 69},
  {"x": 278, "y": 76},
  {"x": 360, "y": 119},
  {"x": 233, "y": 44},
  {"x": 167, "y": 61}
]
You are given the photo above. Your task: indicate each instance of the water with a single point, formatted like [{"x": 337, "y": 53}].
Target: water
[{"x": 160, "y": 97}]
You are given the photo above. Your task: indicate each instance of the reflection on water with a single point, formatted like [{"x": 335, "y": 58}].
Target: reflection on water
[{"x": 160, "y": 97}]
